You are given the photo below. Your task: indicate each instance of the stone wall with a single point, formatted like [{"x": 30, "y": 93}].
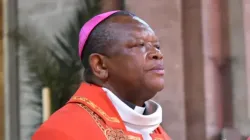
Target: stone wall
[
  {"x": 246, "y": 7},
  {"x": 1, "y": 75},
  {"x": 239, "y": 71}
]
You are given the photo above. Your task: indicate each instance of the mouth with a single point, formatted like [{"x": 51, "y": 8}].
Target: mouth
[{"x": 158, "y": 69}]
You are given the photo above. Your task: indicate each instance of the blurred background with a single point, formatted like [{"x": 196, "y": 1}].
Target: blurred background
[{"x": 206, "y": 46}]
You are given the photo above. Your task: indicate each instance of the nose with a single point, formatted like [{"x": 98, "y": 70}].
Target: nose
[{"x": 157, "y": 55}]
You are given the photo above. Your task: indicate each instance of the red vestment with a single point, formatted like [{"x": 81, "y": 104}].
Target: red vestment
[{"x": 89, "y": 115}]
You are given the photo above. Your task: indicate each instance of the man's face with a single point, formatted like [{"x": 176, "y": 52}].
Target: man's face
[{"x": 138, "y": 61}]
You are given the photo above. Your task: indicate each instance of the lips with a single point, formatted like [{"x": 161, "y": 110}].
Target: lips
[{"x": 158, "y": 69}]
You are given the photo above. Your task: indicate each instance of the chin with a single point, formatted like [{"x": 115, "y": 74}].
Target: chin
[{"x": 156, "y": 85}]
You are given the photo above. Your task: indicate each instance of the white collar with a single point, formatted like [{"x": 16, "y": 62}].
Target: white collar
[
  {"x": 135, "y": 117},
  {"x": 139, "y": 109}
]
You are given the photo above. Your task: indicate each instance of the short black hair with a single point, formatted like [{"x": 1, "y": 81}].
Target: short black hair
[{"x": 100, "y": 41}]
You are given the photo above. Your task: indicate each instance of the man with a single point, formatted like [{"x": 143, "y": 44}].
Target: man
[{"x": 123, "y": 71}]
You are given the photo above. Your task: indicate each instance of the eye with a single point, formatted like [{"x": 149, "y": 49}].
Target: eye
[
  {"x": 158, "y": 47},
  {"x": 142, "y": 44}
]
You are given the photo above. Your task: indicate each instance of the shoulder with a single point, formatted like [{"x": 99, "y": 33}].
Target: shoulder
[
  {"x": 69, "y": 122},
  {"x": 70, "y": 116}
]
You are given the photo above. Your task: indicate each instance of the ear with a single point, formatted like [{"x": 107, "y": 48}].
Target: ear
[{"x": 98, "y": 66}]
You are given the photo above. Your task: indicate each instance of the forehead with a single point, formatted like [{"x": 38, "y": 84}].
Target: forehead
[{"x": 126, "y": 27}]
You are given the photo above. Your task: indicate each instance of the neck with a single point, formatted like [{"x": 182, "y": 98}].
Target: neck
[
  {"x": 94, "y": 81},
  {"x": 127, "y": 95},
  {"x": 123, "y": 92}
]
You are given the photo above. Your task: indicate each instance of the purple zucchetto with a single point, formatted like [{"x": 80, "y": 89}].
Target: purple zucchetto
[{"x": 88, "y": 28}]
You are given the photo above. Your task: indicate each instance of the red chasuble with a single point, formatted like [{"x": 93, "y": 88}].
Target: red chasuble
[{"x": 89, "y": 115}]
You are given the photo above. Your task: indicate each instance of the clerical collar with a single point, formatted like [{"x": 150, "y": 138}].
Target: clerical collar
[
  {"x": 141, "y": 122},
  {"x": 138, "y": 109}
]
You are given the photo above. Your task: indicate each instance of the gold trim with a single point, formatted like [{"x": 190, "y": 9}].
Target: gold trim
[
  {"x": 97, "y": 108},
  {"x": 110, "y": 134},
  {"x": 130, "y": 137}
]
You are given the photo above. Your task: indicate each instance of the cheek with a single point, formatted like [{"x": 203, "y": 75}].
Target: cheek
[{"x": 132, "y": 66}]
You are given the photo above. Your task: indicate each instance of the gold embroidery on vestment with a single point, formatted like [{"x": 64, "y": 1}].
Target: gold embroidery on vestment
[
  {"x": 110, "y": 134},
  {"x": 97, "y": 108},
  {"x": 133, "y": 138}
]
